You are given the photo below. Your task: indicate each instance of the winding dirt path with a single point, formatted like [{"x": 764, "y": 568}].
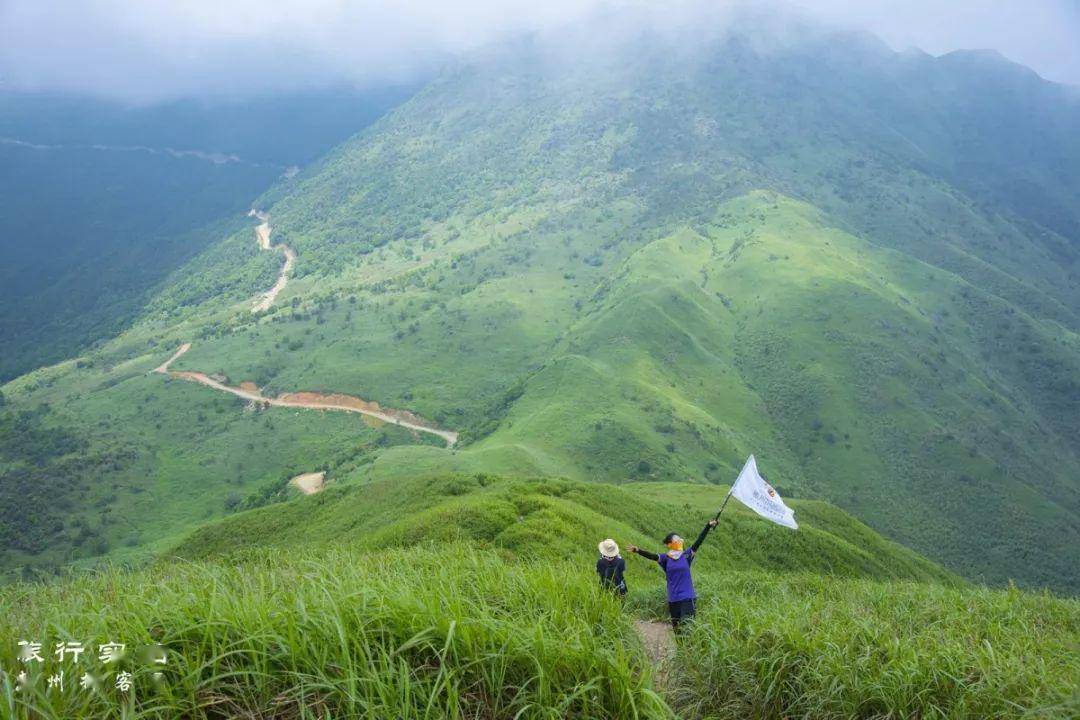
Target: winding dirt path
[
  {"x": 163, "y": 368},
  {"x": 262, "y": 235},
  {"x": 310, "y": 400}
]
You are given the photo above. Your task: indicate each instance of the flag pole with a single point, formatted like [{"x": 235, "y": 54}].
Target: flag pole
[
  {"x": 725, "y": 504},
  {"x": 731, "y": 490}
]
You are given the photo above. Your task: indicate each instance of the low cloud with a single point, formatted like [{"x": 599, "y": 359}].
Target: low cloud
[{"x": 159, "y": 49}]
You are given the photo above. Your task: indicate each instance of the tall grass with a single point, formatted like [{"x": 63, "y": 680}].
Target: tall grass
[
  {"x": 769, "y": 646},
  {"x": 422, "y": 634},
  {"x": 454, "y": 632}
]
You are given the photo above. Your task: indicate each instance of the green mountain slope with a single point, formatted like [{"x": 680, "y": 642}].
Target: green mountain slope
[
  {"x": 854, "y": 371},
  {"x": 475, "y": 596},
  {"x": 558, "y": 519},
  {"x": 643, "y": 268},
  {"x": 102, "y": 201}
]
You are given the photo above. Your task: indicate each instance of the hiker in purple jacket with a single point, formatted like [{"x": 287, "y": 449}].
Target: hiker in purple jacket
[{"x": 676, "y": 566}]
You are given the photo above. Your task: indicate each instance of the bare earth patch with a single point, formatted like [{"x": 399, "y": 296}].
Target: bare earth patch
[
  {"x": 309, "y": 483},
  {"x": 337, "y": 401}
]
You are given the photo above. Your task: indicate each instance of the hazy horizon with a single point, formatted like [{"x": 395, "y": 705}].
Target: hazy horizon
[{"x": 156, "y": 51}]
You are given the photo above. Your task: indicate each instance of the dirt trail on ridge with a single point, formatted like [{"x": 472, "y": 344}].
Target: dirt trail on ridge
[
  {"x": 262, "y": 235},
  {"x": 659, "y": 644},
  {"x": 310, "y": 400}
]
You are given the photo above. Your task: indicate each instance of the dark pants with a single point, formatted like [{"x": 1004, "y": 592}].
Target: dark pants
[
  {"x": 681, "y": 610},
  {"x": 619, "y": 589}
]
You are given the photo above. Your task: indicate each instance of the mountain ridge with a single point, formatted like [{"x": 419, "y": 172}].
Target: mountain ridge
[{"x": 882, "y": 328}]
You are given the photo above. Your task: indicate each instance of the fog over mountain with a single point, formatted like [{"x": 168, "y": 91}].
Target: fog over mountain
[{"x": 157, "y": 49}]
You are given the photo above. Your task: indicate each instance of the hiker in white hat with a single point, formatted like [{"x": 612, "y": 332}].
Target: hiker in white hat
[{"x": 610, "y": 567}]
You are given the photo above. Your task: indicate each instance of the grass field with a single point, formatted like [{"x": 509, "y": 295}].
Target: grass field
[
  {"x": 807, "y": 646},
  {"x": 473, "y": 596},
  {"x": 151, "y": 456},
  {"x": 461, "y": 631}
]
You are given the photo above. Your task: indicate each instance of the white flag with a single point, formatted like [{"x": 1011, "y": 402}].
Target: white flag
[{"x": 753, "y": 492}]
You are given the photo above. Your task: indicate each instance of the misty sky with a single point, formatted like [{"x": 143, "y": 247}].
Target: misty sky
[{"x": 145, "y": 50}]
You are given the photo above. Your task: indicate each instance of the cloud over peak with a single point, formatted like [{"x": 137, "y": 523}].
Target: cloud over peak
[{"x": 159, "y": 49}]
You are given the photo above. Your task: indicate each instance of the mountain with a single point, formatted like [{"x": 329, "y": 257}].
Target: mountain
[
  {"x": 637, "y": 264},
  {"x": 102, "y": 200},
  {"x": 349, "y": 454}
]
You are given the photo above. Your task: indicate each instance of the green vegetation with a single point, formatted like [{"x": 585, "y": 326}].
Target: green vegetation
[
  {"x": 480, "y": 601},
  {"x": 556, "y": 519},
  {"x": 86, "y": 235},
  {"x": 431, "y": 635},
  {"x": 130, "y": 472},
  {"x": 807, "y": 646},
  {"x": 102, "y": 201},
  {"x": 615, "y": 277},
  {"x": 640, "y": 268}
]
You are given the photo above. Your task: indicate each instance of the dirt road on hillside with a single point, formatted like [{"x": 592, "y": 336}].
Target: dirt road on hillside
[
  {"x": 310, "y": 400},
  {"x": 163, "y": 368},
  {"x": 262, "y": 235}
]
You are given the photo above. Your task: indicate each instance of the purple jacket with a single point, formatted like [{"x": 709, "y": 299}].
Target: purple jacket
[{"x": 680, "y": 585}]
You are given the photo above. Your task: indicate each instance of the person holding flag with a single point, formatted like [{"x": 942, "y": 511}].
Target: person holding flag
[
  {"x": 752, "y": 491},
  {"x": 682, "y": 599}
]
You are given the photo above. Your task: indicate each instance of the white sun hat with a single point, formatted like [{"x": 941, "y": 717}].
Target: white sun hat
[{"x": 609, "y": 548}]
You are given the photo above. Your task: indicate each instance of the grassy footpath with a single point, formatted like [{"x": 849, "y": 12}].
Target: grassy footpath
[{"x": 450, "y": 631}]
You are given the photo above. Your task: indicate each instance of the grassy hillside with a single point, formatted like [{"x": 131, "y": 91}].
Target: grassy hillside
[
  {"x": 128, "y": 472},
  {"x": 640, "y": 268},
  {"x": 475, "y": 597},
  {"x": 558, "y": 519},
  {"x": 860, "y": 375},
  {"x": 863, "y": 377},
  {"x": 102, "y": 201}
]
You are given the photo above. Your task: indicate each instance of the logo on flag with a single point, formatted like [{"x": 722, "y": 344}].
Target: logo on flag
[{"x": 752, "y": 491}]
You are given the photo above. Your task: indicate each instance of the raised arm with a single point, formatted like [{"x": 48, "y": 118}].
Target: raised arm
[
  {"x": 704, "y": 531},
  {"x": 642, "y": 553}
]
